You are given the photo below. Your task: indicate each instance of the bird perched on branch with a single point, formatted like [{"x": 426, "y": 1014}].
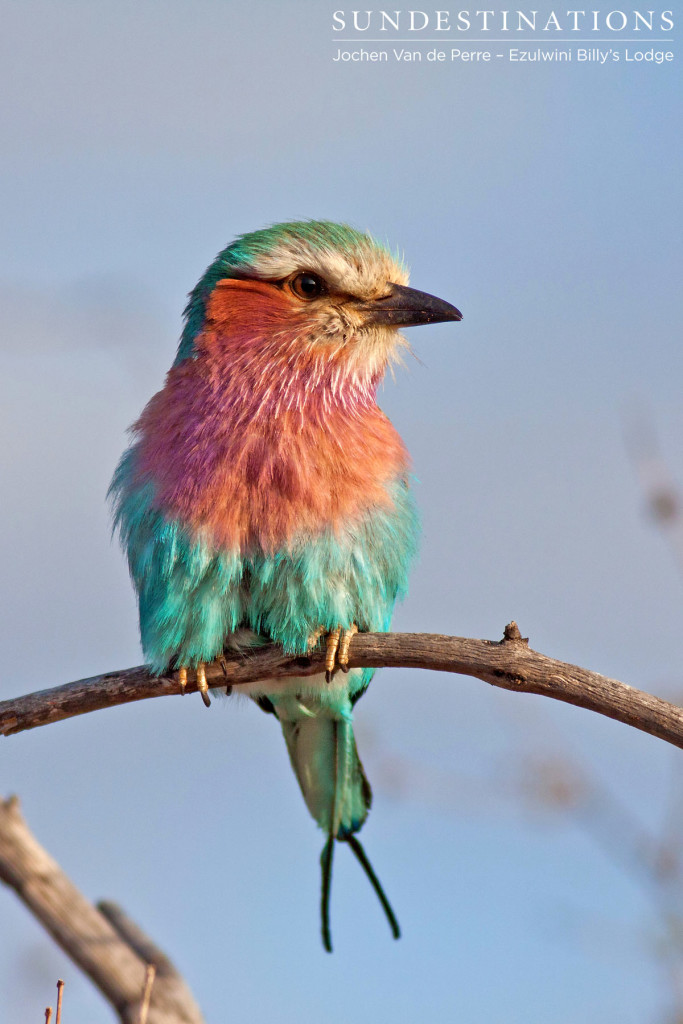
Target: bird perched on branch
[{"x": 265, "y": 496}]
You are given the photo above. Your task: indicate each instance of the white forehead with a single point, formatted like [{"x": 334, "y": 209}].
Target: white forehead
[{"x": 361, "y": 269}]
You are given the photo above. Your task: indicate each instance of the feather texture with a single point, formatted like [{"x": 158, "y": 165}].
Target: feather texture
[{"x": 266, "y": 496}]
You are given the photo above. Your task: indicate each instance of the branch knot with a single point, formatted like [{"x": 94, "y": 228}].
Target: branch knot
[{"x": 511, "y": 634}]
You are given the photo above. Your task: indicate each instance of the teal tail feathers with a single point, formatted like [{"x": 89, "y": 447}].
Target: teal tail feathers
[
  {"x": 361, "y": 857},
  {"x": 323, "y": 753}
]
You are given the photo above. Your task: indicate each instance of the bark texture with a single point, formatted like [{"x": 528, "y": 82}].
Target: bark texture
[
  {"x": 509, "y": 663},
  {"x": 107, "y": 946}
]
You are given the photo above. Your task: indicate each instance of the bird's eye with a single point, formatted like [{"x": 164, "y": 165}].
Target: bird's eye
[{"x": 308, "y": 286}]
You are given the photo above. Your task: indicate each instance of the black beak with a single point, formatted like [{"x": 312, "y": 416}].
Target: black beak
[{"x": 406, "y": 307}]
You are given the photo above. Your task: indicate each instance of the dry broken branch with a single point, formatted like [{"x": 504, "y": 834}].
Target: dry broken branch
[
  {"x": 509, "y": 663},
  {"x": 102, "y": 941}
]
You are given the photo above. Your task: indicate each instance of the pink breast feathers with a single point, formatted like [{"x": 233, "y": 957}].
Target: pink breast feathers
[{"x": 261, "y": 438}]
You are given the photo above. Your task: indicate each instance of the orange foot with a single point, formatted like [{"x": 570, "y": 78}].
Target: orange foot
[
  {"x": 202, "y": 684},
  {"x": 337, "y": 649}
]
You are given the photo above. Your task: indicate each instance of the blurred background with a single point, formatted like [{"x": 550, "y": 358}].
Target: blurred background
[{"x": 530, "y": 849}]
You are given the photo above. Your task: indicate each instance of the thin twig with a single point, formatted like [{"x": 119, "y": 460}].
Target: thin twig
[
  {"x": 147, "y": 994},
  {"x": 60, "y": 991},
  {"x": 48, "y": 1015},
  {"x": 509, "y": 663}
]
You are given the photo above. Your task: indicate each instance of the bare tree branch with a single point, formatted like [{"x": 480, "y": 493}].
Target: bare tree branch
[
  {"x": 509, "y": 663},
  {"x": 109, "y": 948}
]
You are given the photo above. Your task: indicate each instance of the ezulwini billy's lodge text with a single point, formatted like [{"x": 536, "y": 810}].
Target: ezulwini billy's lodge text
[{"x": 514, "y": 54}]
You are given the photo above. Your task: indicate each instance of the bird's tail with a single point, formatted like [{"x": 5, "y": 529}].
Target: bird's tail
[{"x": 322, "y": 749}]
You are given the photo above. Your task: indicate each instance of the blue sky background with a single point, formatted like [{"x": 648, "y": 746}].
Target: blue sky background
[{"x": 544, "y": 201}]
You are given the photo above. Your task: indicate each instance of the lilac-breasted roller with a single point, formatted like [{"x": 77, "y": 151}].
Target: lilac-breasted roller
[{"x": 265, "y": 496}]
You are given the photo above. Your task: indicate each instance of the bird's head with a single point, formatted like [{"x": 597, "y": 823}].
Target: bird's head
[{"x": 311, "y": 290}]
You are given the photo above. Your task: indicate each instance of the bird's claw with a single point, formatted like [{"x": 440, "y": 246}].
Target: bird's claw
[
  {"x": 331, "y": 648},
  {"x": 202, "y": 684},
  {"x": 337, "y": 649},
  {"x": 344, "y": 645}
]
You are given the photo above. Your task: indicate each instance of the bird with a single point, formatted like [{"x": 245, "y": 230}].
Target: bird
[{"x": 265, "y": 497}]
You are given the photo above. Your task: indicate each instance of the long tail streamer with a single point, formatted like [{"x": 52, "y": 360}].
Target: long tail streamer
[
  {"x": 326, "y": 865},
  {"x": 361, "y": 857}
]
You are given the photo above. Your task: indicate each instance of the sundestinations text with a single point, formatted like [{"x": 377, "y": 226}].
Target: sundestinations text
[{"x": 502, "y": 21}]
